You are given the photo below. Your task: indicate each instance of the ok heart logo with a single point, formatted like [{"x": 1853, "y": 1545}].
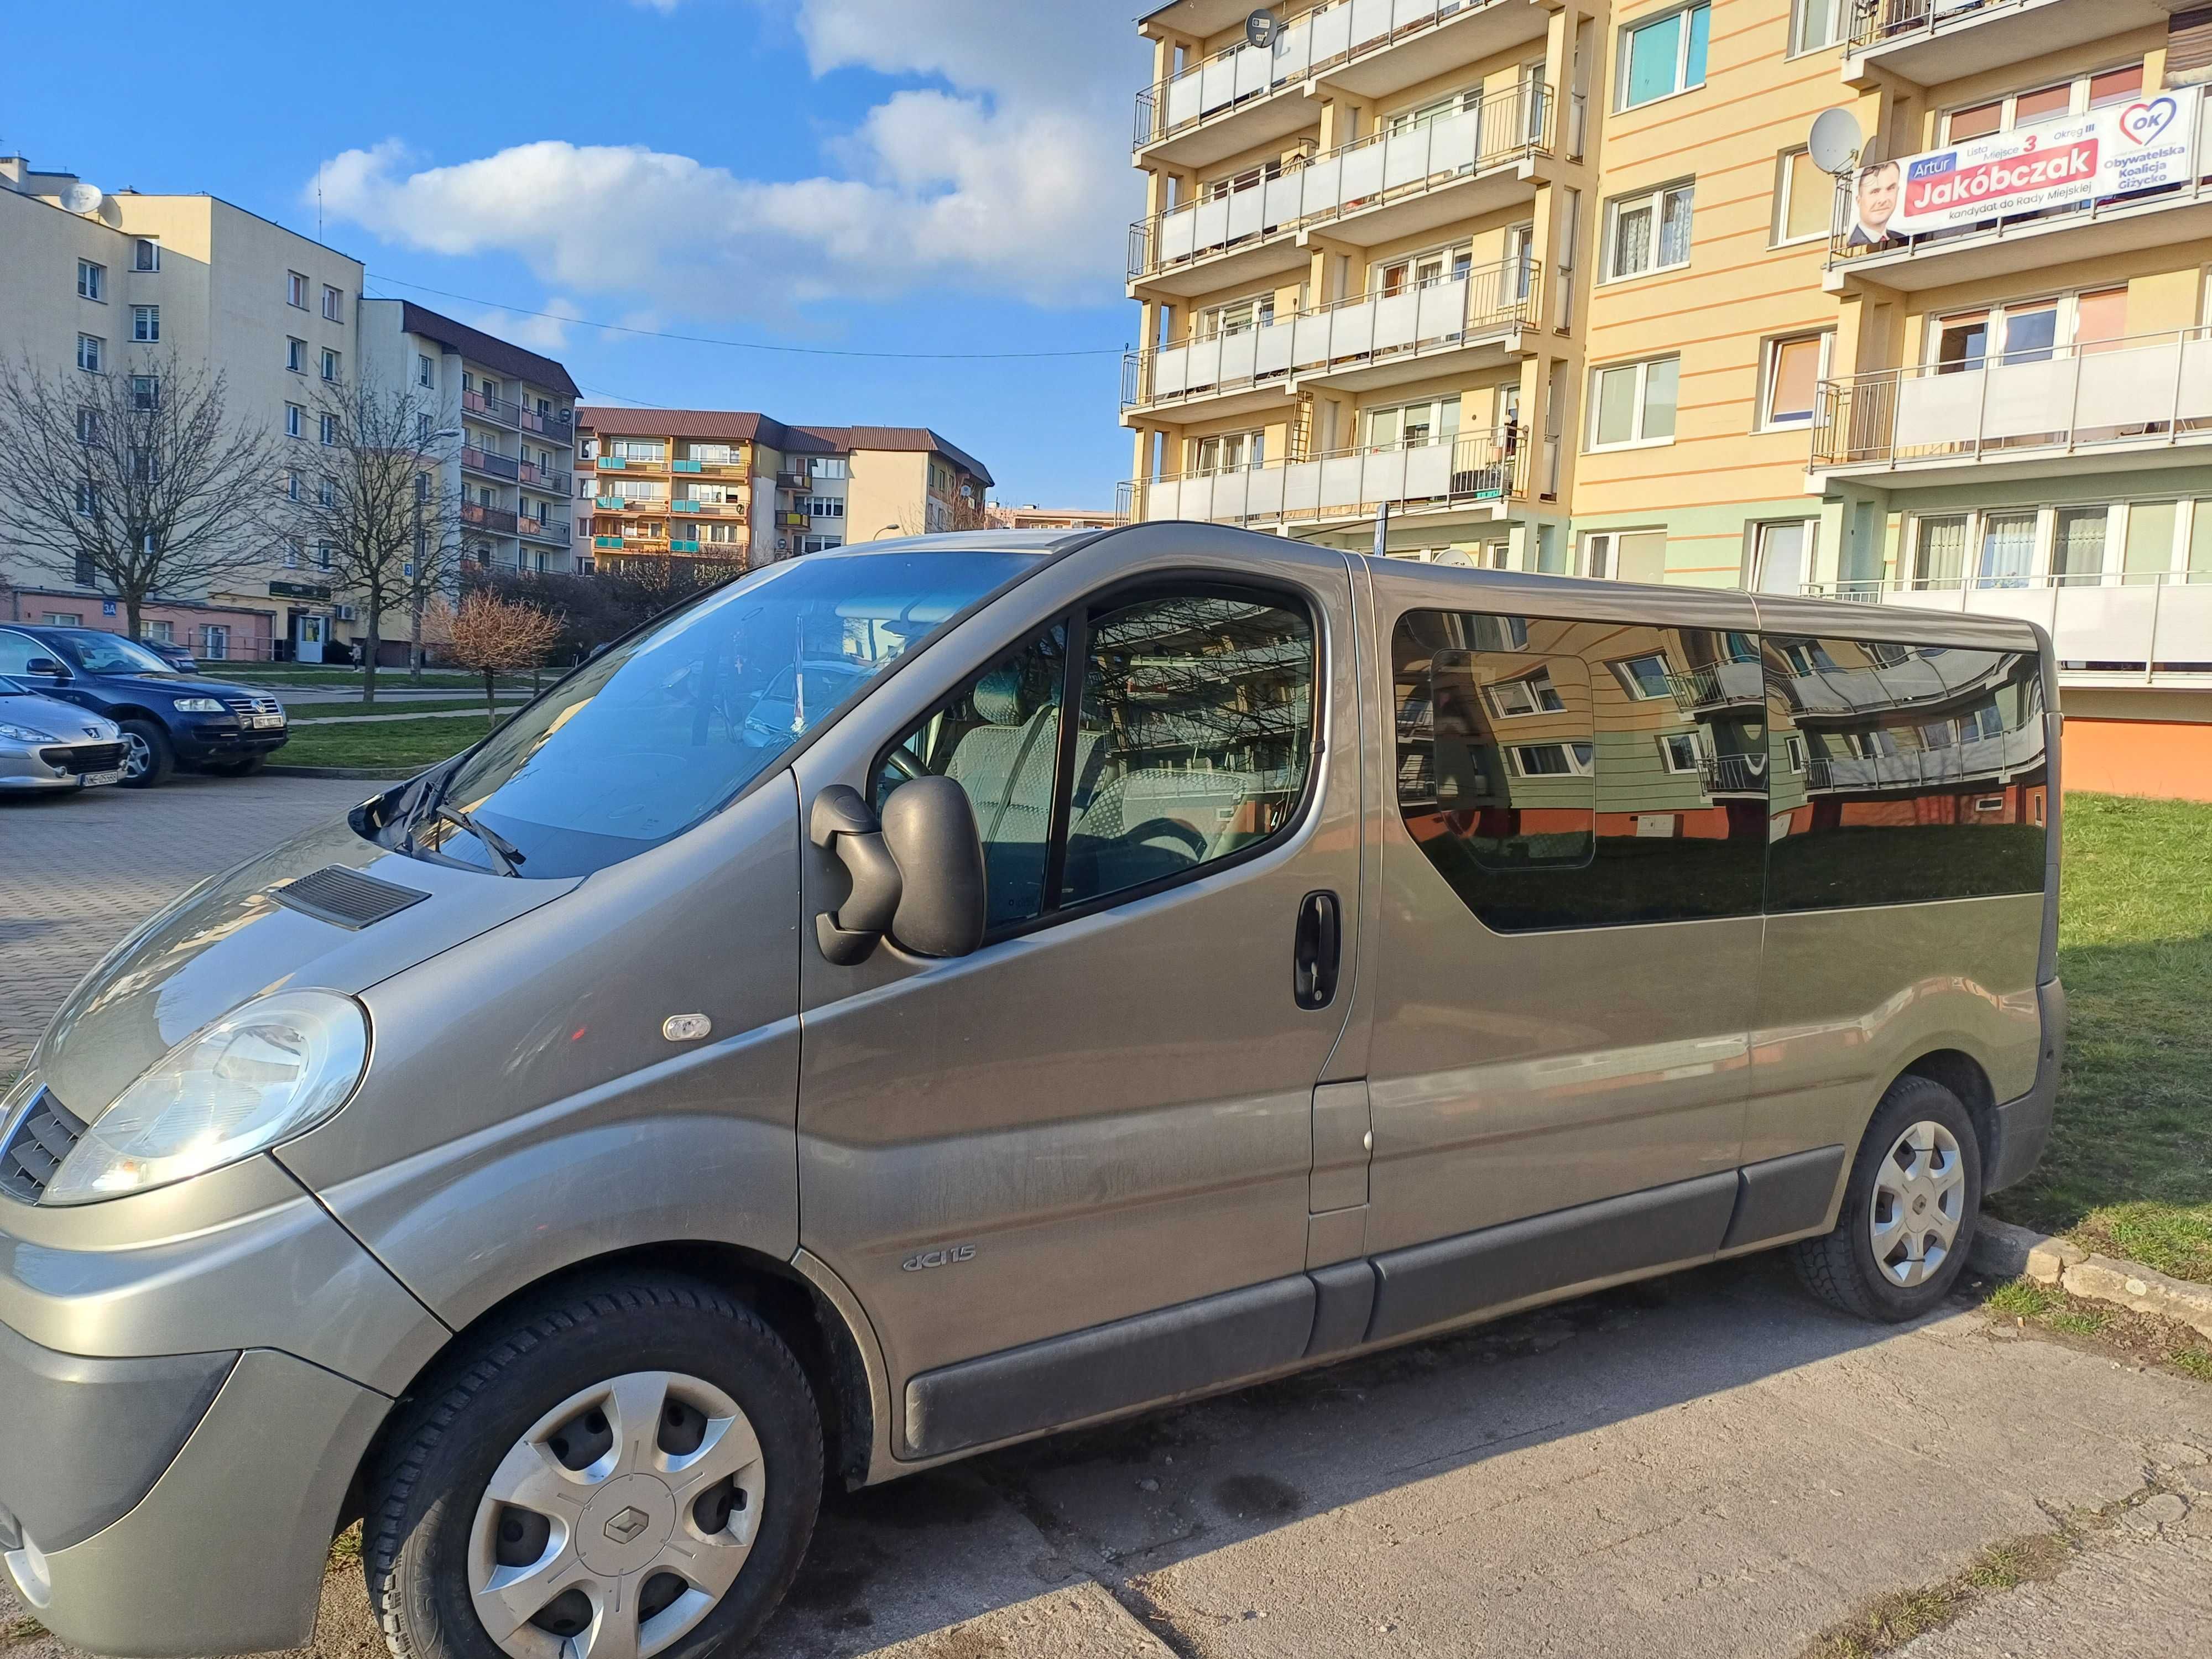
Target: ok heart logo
[{"x": 2140, "y": 123}]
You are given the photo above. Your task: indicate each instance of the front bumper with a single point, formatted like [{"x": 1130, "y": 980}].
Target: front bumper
[
  {"x": 198, "y": 742},
  {"x": 189, "y": 1378},
  {"x": 56, "y": 765},
  {"x": 2019, "y": 1129}
]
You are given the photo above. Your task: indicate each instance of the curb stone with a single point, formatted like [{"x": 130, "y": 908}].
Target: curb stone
[{"x": 2003, "y": 1250}]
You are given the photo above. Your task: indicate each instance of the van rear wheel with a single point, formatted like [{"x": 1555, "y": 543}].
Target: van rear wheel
[
  {"x": 1908, "y": 1211},
  {"x": 631, "y": 1470}
]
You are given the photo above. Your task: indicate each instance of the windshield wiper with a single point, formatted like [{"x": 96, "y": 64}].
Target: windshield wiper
[{"x": 509, "y": 854}]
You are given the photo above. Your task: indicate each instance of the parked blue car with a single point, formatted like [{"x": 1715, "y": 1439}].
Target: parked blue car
[{"x": 167, "y": 719}]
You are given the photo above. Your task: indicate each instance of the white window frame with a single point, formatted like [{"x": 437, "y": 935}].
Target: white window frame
[
  {"x": 1445, "y": 412},
  {"x": 1643, "y": 367},
  {"x": 1253, "y": 450},
  {"x": 146, "y": 255},
  {"x": 1666, "y": 740},
  {"x": 326, "y": 429},
  {"x": 93, "y": 347},
  {"x": 1784, "y": 176},
  {"x": 330, "y": 365},
  {"x": 1453, "y": 259},
  {"x": 1213, "y": 321},
  {"x": 146, "y": 325},
  {"x": 296, "y": 290},
  {"x": 1655, "y": 199},
  {"x": 1770, "y": 355},
  {"x": 1839, "y": 16},
  {"x": 1535, "y": 687},
  {"x": 1682, "y": 83},
  {"x": 333, "y": 305},
  {"x": 295, "y": 421},
  {"x": 426, "y": 372},
  {"x": 2078, "y": 101},
  {"x": 1755, "y": 557},
  {"x": 1629, "y": 682},
  {"x": 92, "y": 280},
  {"x": 1581, "y": 758}
]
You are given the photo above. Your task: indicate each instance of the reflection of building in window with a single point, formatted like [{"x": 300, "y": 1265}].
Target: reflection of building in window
[
  {"x": 1552, "y": 760},
  {"x": 1533, "y": 694}
]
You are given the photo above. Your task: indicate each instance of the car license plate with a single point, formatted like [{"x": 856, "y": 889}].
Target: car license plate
[
  {"x": 87, "y": 780},
  {"x": 260, "y": 721}
]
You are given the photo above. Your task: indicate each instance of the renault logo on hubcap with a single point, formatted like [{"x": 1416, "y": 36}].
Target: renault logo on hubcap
[{"x": 626, "y": 1525}]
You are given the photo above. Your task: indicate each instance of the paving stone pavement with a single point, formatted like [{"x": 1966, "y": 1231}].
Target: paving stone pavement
[{"x": 77, "y": 872}]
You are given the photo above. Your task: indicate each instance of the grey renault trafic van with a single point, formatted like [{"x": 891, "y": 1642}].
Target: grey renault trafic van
[{"x": 1157, "y": 958}]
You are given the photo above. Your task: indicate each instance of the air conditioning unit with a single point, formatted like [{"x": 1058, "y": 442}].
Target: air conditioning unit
[{"x": 343, "y": 612}]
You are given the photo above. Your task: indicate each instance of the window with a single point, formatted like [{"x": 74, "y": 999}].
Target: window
[
  {"x": 214, "y": 642},
  {"x": 637, "y": 449},
  {"x": 1255, "y": 310},
  {"x": 166, "y": 632},
  {"x": 322, "y": 556},
  {"x": 145, "y": 392},
  {"x": 1664, "y": 55},
  {"x": 292, "y": 486},
  {"x": 91, "y": 280},
  {"x": 1619, "y": 806},
  {"x": 90, "y": 353},
  {"x": 1645, "y": 677},
  {"x": 1792, "y": 372},
  {"x": 1648, "y": 232},
  {"x": 1903, "y": 773},
  {"x": 426, "y": 372},
  {"x": 1625, "y": 555},
  {"x": 824, "y": 507},
  {"x": 145, "y": 254},
  {"x": 296, "y": 290},
  {"x": 1191, "y": 744},
  {"x": 1232, "y": 452},
  {"x": 1782, "y": 555},
  {"x": 1634, "y": 402},
  {"x": 60, "y": 619},
  {"x": 146, "y": 323},
  {"x": 88, "y": 501},
  {"x": 1804, "y": 198},
  {"x": 1411, "y": 426},
  {"x": 331, "y": 367},
  {"x": 141, "y": 465},
  {"x": 2077, "y": 545},
  {"x": 87, "y": 424},
  {"x": 292, "y": 559},
  {"x": 333, "y": 305},
  {"x": 2048, "y": 103},
  {"x": 295, "y": 418},
  {"x": 326, "y": 493},
  {"x": 1818, "y": 23},
  {"x": 327, "y": 427}
]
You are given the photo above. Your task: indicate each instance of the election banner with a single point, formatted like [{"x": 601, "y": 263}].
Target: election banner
[{"x": 2084, "y": 158}]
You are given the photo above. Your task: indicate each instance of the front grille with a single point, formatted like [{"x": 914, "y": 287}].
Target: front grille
[
  {"x": 44, "y": 1135},
  {"x": 253, "y": 704},
  {"x": 345, "y": 898},
  {"x": 82, "y": 757}
]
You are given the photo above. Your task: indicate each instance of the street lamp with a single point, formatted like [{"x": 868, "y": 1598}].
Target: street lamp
[{"x": 879, "y": 536}]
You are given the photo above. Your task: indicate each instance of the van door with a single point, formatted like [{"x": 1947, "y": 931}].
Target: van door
[
  {"x": 1106, "y": 1111},
  {"x": 1570, "y": 937}
]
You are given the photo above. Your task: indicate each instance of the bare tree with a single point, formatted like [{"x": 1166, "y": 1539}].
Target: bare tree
[
  {"x": 135, "y": 478},
  {"x": 965, "y": 511},
  {"x": 377, "y": 505},
  {"x": 495, "y": 636}
]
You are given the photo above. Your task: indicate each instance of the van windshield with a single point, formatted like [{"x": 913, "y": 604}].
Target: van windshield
[{"x": 660, "y": 731}]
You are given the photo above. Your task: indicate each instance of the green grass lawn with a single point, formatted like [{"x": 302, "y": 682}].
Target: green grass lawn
[
  {"x": 309, "y": 673},
  {"x": 2129, "y": 1172},
  {"x": 402, "y": 746}
]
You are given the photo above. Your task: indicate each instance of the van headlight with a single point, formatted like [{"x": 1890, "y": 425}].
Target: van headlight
[{"x": 264, "y": 1072}]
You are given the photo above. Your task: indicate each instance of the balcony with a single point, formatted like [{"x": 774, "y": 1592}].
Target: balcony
[
  {"x": 1376, "y": 189},
  {"x": 489, "y": 462},
  {"x": 553, "y": 530},
  {"x": 795, "y": 478},
  {"x": 2108, "y": 405},
  {"x": 2162, "y": 215},
  {"x": 785, "y": 520},
  {"x": 1995, "y": 759},
  {"x": 1248, "y": 96},
  {"x": 498, "y": 519},
  {"x": 553, "y": 480},
  {"x": 1728, "y": 685},
  {"x": 1473, "y": 474},
  {"x": 1732, "y": 774},
  {"x": 2113, "y": 628},
  {"x": 630, "y": 503},
  {"x": 632, "y": 464},
  {"x": 1468, "y": 321},
  {"x": 560, "y": 423},
  {"x": 683, "y": 506},
  {"x": 1935, "y": 41}
]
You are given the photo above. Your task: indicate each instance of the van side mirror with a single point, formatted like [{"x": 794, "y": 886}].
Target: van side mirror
[
  {"x": 917, "y": 876},
  {"x": 47, "y": 666}
]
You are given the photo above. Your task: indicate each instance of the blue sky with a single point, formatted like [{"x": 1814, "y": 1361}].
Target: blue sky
[{"x": 938, "y": 176}]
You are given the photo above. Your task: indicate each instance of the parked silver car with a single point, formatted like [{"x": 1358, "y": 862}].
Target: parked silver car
[
  {"x": 46, "y": 744},
  {"x": 1172, "y": 959}
]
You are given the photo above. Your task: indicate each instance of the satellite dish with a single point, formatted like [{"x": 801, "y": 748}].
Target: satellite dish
[
  {"x": 81, "y": 197},
  {"x": 1260, "y": 28},
  {"x": 1835, "y": 142}
]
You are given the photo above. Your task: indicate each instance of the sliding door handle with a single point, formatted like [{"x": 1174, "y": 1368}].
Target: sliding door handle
[{"x": 1320, "y": 944}]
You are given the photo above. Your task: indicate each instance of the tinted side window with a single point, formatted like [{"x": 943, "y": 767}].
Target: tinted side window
[
  {"x": 1901, "y": 773},
  {"x": 1572, "y": 773}
]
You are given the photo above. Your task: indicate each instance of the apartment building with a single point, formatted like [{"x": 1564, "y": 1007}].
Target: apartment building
[
  {"x": 1030, "y": 516},
  {"x": 1558, "y": 283},
  {"x": 512, "y": 463},
  {"x": 90, "y": 283},
  {"x": 734, "y": 485}
]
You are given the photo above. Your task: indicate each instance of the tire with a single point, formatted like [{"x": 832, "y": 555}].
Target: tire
[
  {"x": 503, "y": 1418},
  {"x": 245, "y": 767},
  {"x": 1918, "y": 1172},
  {"x": 148, "y": 759}
]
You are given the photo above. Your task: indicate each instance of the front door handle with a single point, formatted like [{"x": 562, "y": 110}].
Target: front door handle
[{"x": 1320, "y": 944}]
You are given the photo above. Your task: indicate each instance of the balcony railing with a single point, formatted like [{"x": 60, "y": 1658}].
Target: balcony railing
[
  {"x": 1893, "y": 23},
  {"x": 1732, "y": 774},
  {"x": 631, "y": 503},
  {"x": 2147, "y": 391},
  {"x": 480, "y": 516},
  {"x": 555, "y": 479},
  {"x": 1382, "y": 168},
  {"x": 1468, "y": 470},
  {"x": 2035, "y": 221},
  {"x": 488, "y": 462},
  {"x": 542, "y": 530},
  {"x": 2137, "y": 625},
  {"x": 682, "y": 505},
  {"x": 795, "y": 478},
  {"x": 1322, "y": 38},
  {"x": 1719, "y": 684},
  {"x": 1445, "y": 315}
]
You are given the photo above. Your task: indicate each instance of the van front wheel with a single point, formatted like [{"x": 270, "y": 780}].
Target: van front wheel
[
  {"x": 1909, "y": 1211},
  {"x": 631, "y": 1470}
]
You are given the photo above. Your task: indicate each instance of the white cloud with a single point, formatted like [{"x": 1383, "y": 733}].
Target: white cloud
[
  {"x": 1014, "y": 182},
  {"x": 545, "y": 329}
]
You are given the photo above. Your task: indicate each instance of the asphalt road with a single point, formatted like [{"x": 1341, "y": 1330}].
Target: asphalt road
[{"x": 1708, "y": 1465}]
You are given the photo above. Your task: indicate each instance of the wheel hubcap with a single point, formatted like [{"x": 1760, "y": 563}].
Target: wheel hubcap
[
  {"x": 618, "y": 1522},
  {"x": 1919, "y": 1200},
  {"x": 136, "y": 754}
]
